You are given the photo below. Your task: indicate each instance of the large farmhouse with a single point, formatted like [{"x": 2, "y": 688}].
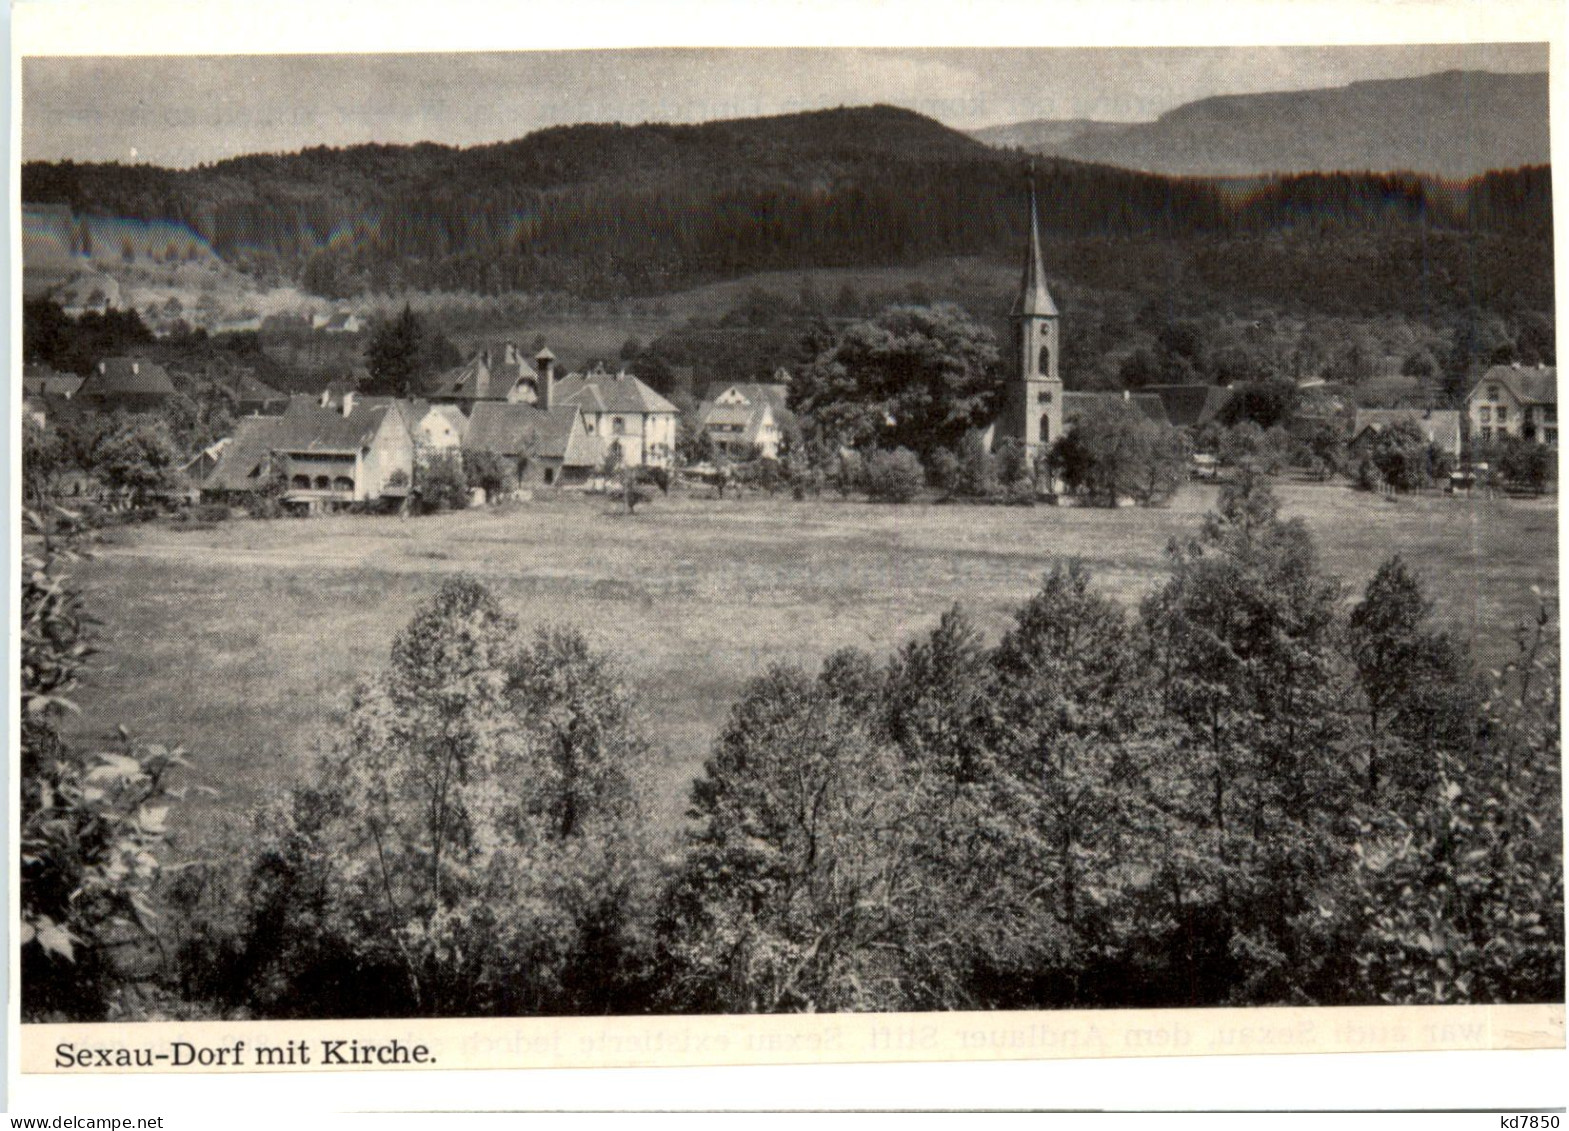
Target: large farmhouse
[
  {"x": 1512, "y": 400},
  {"x": 621, "y": 410},
  {"x": 358, "y": 451},
  {"x": 550, "y": 446}
]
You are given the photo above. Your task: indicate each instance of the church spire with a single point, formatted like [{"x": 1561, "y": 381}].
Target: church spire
[{"x": 1034, "y": 299}]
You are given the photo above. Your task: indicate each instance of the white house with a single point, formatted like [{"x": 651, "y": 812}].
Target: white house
[
  {"x": 1512, "y": 400},
  {"x": 620, "y": 410}
]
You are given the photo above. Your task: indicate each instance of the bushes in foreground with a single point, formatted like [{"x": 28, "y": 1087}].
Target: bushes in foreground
[{"x": 1246, "y": 793}]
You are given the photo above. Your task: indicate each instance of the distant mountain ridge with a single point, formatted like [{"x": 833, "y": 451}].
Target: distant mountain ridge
[{"x": 1455, "y": 124}]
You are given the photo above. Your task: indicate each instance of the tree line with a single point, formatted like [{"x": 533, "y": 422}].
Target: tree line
[
  {"x": 1253, "y": 790},
  {"x": 607, "y": 210}
]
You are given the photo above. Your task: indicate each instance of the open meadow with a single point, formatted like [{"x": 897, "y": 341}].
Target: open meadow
[{"x": 240, "y": 640}]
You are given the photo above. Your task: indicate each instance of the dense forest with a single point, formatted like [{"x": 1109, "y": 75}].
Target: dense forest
[{"x": 607, "y": 210}]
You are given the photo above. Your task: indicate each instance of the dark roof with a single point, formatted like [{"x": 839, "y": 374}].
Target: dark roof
[
  {"x": 308, "y": 427},
  {"x": 240, "y": 462},
  {"x": 126, "y": 377},
  {"x": 1190, "y": 406},
  {"x": 1538, "y": 385},
  {"x": 480, "y": 380},
  {"x": 245, "y": 387},
  {"x": 610, "y": 392},
  {"x": 523, "y": 429},
  {"x": 1074, "y": 403}
]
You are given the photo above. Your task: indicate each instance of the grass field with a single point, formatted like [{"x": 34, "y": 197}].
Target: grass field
[{"x": 240, "y": 640}]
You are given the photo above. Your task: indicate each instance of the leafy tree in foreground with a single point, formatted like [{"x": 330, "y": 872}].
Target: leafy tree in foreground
[
  {"x": 1244, "y": 641},
  {"x": 1419, "y": 711},
  {"x": 469, "y": 846},
  {"x": 1074, "y": 734},
  {"x": 91, "y": 823},
  {"x": 1462, "y": 900}
]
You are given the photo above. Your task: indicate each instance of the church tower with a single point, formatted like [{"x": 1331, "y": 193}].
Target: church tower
[{"x": 1036, "y": 393}]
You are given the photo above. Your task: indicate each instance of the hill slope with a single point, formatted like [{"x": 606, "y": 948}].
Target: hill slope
[
  {"x": 1456, "y": 124},
  {"x": 610, "y": 211}
]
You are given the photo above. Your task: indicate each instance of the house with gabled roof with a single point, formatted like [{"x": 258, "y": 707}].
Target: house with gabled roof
[
  {"x": 621, "y": 410},
  {"x": 1515, "y": 400},
  {"x": 339, "y": 322},
  {"x": 129, "y": 383},
  {"x": 1439, "y": 426},
  {"x": 240, "y": 463},
  {"x": 551, "y": 446},
  {"x": 436, "y": 428},
  {"x": 737, "y": 430},
  {"x": 359, "y": 452}
]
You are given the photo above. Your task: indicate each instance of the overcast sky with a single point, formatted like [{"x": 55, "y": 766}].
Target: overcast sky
[{"x": 184, "y": 110}]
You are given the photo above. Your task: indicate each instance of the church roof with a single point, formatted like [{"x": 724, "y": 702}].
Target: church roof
[{"x": 1034, "y": 298}]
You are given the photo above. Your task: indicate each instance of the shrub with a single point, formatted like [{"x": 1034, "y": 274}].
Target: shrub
[
  {"x": 894, "y": 477},
  {"x": 91, "y": 823},
  {"x": 942, "y": 471},
  {"x": 489, "y": 472},
  {"x": 441, "y": 484}
]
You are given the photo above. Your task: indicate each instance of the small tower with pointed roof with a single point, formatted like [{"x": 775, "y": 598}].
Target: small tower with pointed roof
[{"x": 1036, "y": 393}]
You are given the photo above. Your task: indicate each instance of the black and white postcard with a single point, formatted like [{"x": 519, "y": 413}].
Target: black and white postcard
[{"x": 584, "y": 553}]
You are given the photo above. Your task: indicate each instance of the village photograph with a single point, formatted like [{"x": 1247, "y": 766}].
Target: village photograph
[{"x": 728, "y": 531}]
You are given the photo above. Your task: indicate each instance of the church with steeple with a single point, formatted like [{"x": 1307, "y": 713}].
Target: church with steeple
[{"x": 1032, "y": 410}]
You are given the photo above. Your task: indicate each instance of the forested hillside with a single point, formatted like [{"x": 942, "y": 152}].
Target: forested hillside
[{"x": 612, "y": 210}]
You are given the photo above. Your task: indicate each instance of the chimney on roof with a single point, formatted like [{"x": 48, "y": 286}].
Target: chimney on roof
[
  {"x": 1127, "y": 394},
  {"x": 348, "y": 401},
  {"x": 1514, "y": 365},
  {"x": 326, "y": 397},
  {"x": 546, "y": 363},
  {"x": 103, "y": 367},
  {"x": 136, "y": 367}
]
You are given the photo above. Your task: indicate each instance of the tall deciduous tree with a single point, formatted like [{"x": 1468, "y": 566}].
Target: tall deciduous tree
[
  {"x": 468, "y": 848},
  {"x": 914, "y": 377},
  {"x": 1244, "y": 636}
]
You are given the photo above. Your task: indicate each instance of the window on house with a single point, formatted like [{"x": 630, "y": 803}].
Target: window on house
[
  {"x": 1485, "y": 414},
  {"x": 1045, "y": 429},
  {"x": 1503, "y": 413},
  {"x": 1487, "y": 435},
  {"x": 618, "y": 426},
  {"x": 1550, "y": 414},
  {"x": 1492, "y": 392}
]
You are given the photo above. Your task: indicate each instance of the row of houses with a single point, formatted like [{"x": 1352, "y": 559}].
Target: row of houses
[{"x": 342, "y": 447}]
